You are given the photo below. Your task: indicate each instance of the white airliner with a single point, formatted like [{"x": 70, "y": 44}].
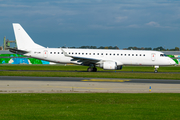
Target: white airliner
[{"x": 104, "y": 58}]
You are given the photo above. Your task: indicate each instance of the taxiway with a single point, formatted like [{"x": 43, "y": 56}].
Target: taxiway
[{"x": 12, "y": 84}]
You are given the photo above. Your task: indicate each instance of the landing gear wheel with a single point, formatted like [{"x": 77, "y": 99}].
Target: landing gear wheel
[
  {"x": 89, "y": 69},
  {"x": 94, "y": 69},
  {"x": 155, "y": 71}
]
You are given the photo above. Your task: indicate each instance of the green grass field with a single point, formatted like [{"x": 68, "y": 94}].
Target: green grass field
[
  {"x": 84, "y": 68},
  {"x": 80, "y": 71},
  {"x": 87, "y": 106}
]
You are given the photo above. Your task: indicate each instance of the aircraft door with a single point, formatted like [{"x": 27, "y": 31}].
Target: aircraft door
[
  {"x": 153, "y": 56},
  {"x": 45, "y": 53}
]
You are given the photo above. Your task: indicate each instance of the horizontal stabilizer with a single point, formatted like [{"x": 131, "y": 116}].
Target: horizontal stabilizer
[{"x": 18, "y": 51}]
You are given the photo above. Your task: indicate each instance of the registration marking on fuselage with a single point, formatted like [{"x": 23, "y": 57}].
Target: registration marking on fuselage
[{"x": 105, "y": 80}]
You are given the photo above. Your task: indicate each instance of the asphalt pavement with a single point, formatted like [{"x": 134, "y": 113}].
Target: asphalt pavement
[{"x": 13, "y": 84}]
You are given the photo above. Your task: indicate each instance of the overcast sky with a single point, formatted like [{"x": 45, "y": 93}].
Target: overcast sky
[{"x": 122, "y": 23}]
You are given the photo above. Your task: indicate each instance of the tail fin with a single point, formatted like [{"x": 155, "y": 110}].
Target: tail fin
[{"x": 23, "y": 40}]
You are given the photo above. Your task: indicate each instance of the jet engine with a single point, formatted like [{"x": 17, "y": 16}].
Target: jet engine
[{"x": 110, "y": 66}]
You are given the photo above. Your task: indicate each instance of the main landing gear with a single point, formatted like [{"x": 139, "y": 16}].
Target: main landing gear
[
  {"x": 92, "y": 68},
  {"x": 156, "y": 69}
]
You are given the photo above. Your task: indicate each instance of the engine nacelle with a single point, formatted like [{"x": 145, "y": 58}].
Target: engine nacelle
[{"x": 110, "y": 66}]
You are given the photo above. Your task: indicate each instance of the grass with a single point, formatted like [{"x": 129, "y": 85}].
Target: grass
[
  {"x": 93, "y": 75},
  {"x": 90, "y": 106},
  {"x": 84, "y": 68},
  {"x": 80, "y": 71}
]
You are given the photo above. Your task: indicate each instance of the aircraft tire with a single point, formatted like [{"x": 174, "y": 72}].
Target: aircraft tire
[
  {"x": 89, "y": 70},
  {"x": 94, "y": 69}
]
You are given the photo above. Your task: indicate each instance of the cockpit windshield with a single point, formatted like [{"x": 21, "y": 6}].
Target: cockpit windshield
[{"x": 163, "y": 55}]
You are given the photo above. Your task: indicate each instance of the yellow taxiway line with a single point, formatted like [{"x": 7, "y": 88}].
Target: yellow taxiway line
[{"x": 105, "y": 80}]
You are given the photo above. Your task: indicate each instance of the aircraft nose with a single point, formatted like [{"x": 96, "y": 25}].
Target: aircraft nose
[{"x": 172, "y": 62}]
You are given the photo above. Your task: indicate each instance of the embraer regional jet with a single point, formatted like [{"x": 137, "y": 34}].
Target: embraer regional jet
[{"x": 104, "y": 58}]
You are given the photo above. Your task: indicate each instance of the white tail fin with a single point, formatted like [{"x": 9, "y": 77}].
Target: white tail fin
[{"x": 23, "y": 41}]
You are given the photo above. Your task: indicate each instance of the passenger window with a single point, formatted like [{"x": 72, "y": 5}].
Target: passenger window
[
  {"x": 86, "y": 53},
  {"x": 93, "y": 53},
  {"x": 110, "y": 54},
  {"x": 79, "y": 53},
  {"x": 132, "y": 54},
  {"x": 76, "y": 53},
  {"x": 89, "y": 53},
  {"x": 124, "y": 54},
  {"x": 101, "y": 53},
  {"x": 61, "y": 52},
  {"x": 82, "y": 53},
  {"x": 117, "y": 54},
  {"x": 139, "y": 54},
  {"x": 144, "y": 55},
  {"x": 106, "y": 54},
  {"x": 50, "y": 52},
  {"x": 54, "y": 52},
  {"x": 121, "y": 54},
  {"x": 97, "y": 53},
  {"x": 136, "y": 54},
  {"x": 113, "y": 54},
  {"x": 128, "y": 54}
]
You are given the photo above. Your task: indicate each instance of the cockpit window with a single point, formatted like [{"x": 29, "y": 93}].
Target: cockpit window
[{"x": 163, "y": 55}]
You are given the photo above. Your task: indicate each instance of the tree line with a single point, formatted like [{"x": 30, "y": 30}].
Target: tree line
[
  {"x": 129, "y": 48},
  {"x": 149, "y": 48},
  {"x": 94, "y": 47}
]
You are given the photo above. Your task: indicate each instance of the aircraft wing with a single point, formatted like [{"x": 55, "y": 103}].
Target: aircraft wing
[{"x": 84, "y": 60}]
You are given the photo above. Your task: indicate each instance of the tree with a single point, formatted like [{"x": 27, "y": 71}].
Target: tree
[
  {"x": 142, "y": 48},
  {"x": 116, "y": 48},
  {"x": 159, "y": 49},
  {"x": 148, "y": 48},
  {"x": 110, "y": 47},
  {"x": 176, "y": 49},
  {"x": 93, "y": 47},
  {"x": 101, "y": 47},
  {"x": 130, "y": 48}
]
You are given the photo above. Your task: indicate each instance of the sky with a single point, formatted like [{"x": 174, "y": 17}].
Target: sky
[{"x": 122, "y": 23}]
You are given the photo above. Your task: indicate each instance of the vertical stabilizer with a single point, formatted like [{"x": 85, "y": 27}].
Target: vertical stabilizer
[{"x": 23, "y": 40}]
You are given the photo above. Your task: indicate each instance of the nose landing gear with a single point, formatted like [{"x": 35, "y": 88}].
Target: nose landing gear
[{"x": 156, "y": 69}]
